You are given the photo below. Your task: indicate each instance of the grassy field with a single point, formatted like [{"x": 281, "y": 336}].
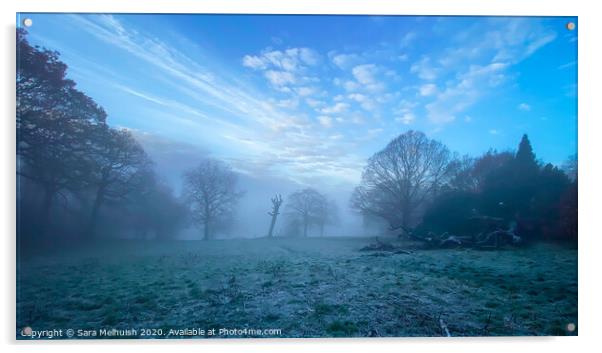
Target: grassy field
[{"x": 317, "y": 287}]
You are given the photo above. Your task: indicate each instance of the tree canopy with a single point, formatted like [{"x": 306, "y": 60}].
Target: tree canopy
[
  {"x": 400, "y": 178},
  {"x": 210, "y": 190},
  {"x": 66, "y": 152}
]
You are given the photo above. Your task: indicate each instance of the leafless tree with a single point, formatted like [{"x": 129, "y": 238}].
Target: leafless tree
[
  {"x": 210, "y": 190},
  {"x": 276, "y": 203},
  {"x": 328, "y": 214},
  {"x": 307, "y": 206},
  {"x": 399, "y": 179},
  {"x": 120, "y": 166}
]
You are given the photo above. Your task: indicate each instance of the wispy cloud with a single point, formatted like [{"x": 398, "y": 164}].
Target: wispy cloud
[
  {"x": 326, "y": 121},
  {"x": 337, "y": 108},
  {"x": 311, "y": 105},
  {"x": 467, "y": 88},
  {"x": 424, "y": 69},
  {"x": 288, "y": 60},
  {"x": 276, "y": 134},
  {"x": 406, "y": 118},
  {"x": 363, "y": 100},
  {"x": 344, "y": 61},
  {"x": 428, "y": 89},
  {"x": 285, "y": 70},
  {"x": 567, "y": 65},
  {"x": 189, "y": 76}
]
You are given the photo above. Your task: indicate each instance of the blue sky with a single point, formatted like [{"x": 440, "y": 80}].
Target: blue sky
[{"x": 310, "y": 98}]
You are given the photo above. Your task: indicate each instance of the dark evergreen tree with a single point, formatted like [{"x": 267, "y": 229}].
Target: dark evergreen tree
[
  {"x": 525, "y": 158},
  {"x": 511, "y": 187}
]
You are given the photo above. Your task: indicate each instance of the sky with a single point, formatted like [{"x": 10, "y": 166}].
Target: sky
[{"x": 305, "y": 100}]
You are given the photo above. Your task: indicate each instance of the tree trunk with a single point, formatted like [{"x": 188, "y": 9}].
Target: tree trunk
[
  {"x": 45, "y": 210},
  {"x": 305, "y": 225},
  {"x": 406, "y": 216},
  {"x": 274, "y": 216},
  {"x": 208, "y": 219},
  {"x": 94, "y": 213},
  {"x": 206, "y": 231},
  {"x": 276, "y": 202}
]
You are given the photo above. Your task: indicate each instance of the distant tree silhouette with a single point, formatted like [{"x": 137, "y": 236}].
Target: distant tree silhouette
[
  {"x": 276, "y": 203},
  {"x": 308, "y": 206},
  {"x": 570, "y": 167},
  {"x": 119, "y": 168},
  {"x": 210, "y": 190},
  {"x": 328, "y": 214},
  {"x": 154, "y": 209}
]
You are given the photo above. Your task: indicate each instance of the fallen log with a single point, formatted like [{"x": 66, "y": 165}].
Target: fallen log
[
  {"x": 497, "y": 238},
  {"x": 490, "y": 240}
]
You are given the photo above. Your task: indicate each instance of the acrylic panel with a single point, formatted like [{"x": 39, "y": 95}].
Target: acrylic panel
[{"x": 295, "y": 176}]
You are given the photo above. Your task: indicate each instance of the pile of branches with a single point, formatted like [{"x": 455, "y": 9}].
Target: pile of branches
[{"x": 493, "y": 239}]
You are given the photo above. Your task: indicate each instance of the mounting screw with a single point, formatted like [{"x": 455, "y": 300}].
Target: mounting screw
[{"x": 570, "y": 26}]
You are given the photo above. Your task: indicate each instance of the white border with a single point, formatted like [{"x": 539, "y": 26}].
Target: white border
[
  {"x": 428, "y": 7},
  {"x": 590, "y": 60}
]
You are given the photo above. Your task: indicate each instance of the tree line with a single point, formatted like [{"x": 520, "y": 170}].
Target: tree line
[
  {"x": 72, "y": 167},
  {"x": 79, "y": 177},
  {"x": 417, "y": 185}
]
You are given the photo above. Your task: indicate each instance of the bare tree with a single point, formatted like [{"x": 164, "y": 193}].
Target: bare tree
[
  {"x": 120, "y": 167},
  {"x": 276, "y": 203},
  {"x": 328, "y": 214},
  {"x": 306, "y": 205},
  {"x": 210, "y": 190},
  {"x": 399, "y": 179}
]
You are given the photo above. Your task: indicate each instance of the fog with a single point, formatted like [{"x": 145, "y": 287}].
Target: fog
[{"x": 171, "y": 159}]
